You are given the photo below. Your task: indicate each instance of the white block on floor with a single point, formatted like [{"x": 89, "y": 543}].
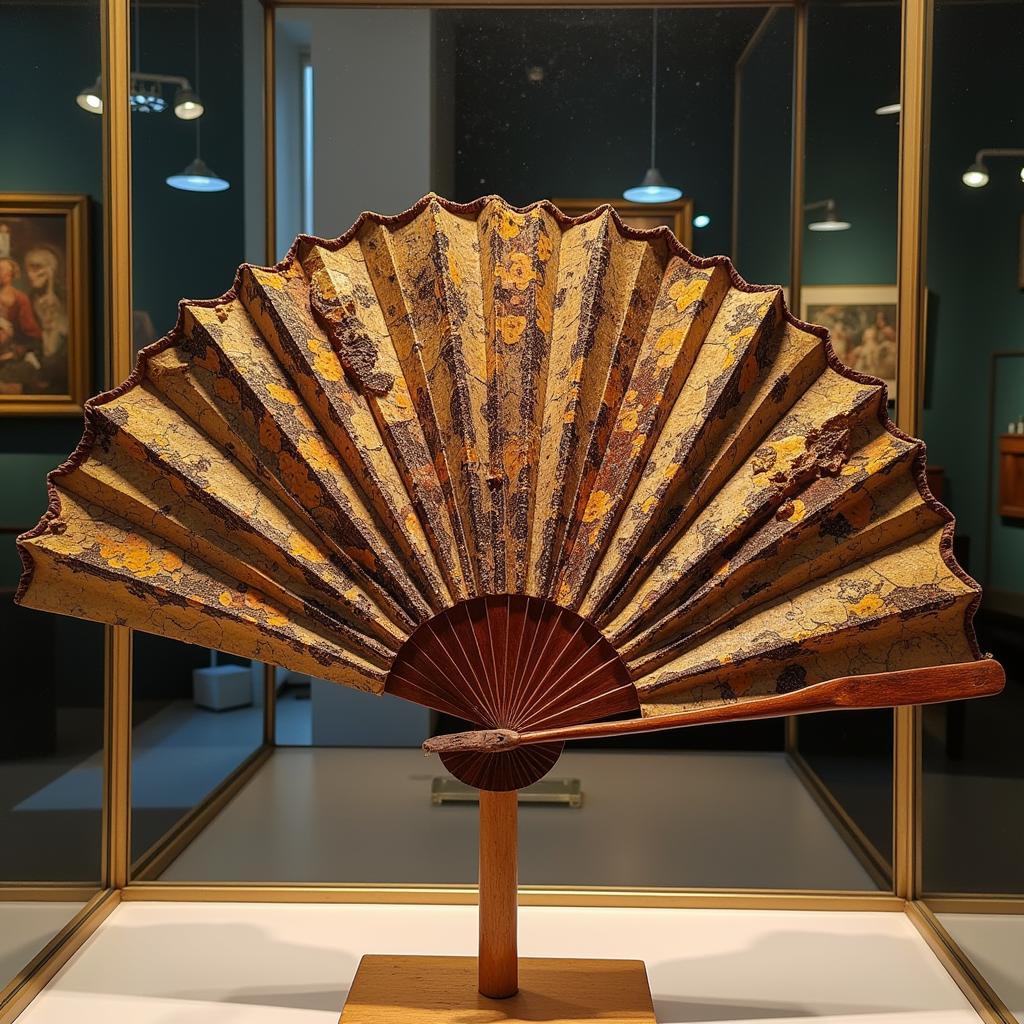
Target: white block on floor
[{"x": 220, "y": 687}]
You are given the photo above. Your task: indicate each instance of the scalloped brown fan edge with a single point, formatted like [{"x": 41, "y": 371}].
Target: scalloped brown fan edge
[{"x": 136, "y": 377}]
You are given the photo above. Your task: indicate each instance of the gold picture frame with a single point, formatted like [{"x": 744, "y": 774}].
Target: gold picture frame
[
  {"x": 861, "y": 320},
  {"x": 44, "y": 304},
  {"x": 677, "y": 215}
]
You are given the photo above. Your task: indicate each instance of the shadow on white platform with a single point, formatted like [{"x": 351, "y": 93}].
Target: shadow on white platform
[{"x": 182, "y": 963}]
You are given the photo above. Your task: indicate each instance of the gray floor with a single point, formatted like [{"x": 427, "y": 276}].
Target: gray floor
[{"x": 649, "y": 819}]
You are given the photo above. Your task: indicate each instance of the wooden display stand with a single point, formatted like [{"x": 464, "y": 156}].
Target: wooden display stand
[{"x": 497, "y": 986}]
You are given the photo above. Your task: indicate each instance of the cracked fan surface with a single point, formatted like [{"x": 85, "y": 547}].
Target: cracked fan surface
[{"x": 475, "y": 400}]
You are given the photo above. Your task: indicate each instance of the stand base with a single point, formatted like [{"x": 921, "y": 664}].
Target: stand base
[{"x": 442, "y": 989}]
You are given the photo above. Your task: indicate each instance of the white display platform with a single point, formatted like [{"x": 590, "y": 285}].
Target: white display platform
[
  {"x": 26, "y": 926},
  {"x": 230, "y": 963},
  {"x": 995, "y": 943}
]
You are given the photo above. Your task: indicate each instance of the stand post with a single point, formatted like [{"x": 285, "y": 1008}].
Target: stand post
[{"x": 499, "y": 880}]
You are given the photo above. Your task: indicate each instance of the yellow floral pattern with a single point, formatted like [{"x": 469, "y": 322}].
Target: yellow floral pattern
[{"x": 476, "y": 399}]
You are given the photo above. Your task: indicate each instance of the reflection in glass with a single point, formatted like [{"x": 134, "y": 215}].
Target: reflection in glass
[
  {"x": 849, "y": 286},
  {"x": 973, "y": 399},
  {"x": 196, "y": 716},
  {"x": 51, "y": 723}
]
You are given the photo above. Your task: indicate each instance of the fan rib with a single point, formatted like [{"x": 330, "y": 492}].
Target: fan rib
[
  {"x": 841, "y": 529},
  {"x": 739, "y": 338},
  {"x": 378, "y": 250},
  {"x": 687, "y": 303},
  {"x": 811, "y": 441},
  {"x": 357, "y": 330},
  {"x": 271, "y": 442},
  {"x": 343, "y": 415}
]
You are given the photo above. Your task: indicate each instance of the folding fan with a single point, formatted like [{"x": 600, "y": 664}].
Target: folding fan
[{"x": 555, "y": 477}]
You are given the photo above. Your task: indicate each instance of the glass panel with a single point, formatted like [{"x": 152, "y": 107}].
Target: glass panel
[
  {"x": 849, "y": 286},
  {"x": 197, "y": 715},
  {"x": 973, "y": 402},
  {"x": 51, "y": 726},
  {"x": 527, "y": 104},
  {"x": 763, "y": 148}
]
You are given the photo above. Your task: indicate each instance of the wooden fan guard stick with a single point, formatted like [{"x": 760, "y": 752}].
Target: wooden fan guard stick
[{"x": 498, "y": 964}]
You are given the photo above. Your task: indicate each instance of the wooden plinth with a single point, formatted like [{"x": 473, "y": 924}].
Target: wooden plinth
[{"x": 443, "y": 989}]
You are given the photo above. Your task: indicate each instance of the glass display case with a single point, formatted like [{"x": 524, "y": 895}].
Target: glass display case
[{"x": 824, "y": 146}]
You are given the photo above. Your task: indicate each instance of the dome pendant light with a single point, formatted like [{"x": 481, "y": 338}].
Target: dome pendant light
[
  {"x": 831, "y": 220},
  {"x": 653, "y": 188},
  {"x": 197, "y": 177}
]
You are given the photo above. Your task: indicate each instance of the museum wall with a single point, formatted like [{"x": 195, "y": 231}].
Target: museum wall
[
  {"x": 976, "y": 306},
  {"x": 185, "y": 243},
  {"x": 584, "y": 129}
]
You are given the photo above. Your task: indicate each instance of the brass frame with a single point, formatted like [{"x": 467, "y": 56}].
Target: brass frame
[
  {"x": 118, "y": 881},
  {"x": 75, "y": 209}
]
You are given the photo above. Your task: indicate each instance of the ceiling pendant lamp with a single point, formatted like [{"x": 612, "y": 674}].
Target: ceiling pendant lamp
[
  {"x": 830, "y": 220},
  {"x": 653, "y": 189},
  {"x": 91, "y": 97},
  {"x": 197, "y": 177}
]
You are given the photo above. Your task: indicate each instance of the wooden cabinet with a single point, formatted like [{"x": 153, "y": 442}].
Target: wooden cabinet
[{"x": 1011, "y": 476}]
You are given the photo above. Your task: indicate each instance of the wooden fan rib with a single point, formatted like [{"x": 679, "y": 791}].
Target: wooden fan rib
[
  {"x": 278, "y": 304},
  {"x": 549, "y": 684},
  {"x": 462, "y": 632},
  {"x": 550, "y": 621},
  {"x": 406, "y": 680},
  {"x": 586, "y": 680},
  {"x": 345, "y": 305},
  {"x": 437, "y": 655},
  {"x": 615, "y": 701},
  {"x": 477, "y": 620}
]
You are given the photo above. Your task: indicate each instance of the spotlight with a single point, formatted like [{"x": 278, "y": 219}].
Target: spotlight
[
  {"x": 187, "y": 104},
  {"x": 91, "y": 98},
  {"x": 976, "y": 176},
  {"x": 702, "y": 220}
]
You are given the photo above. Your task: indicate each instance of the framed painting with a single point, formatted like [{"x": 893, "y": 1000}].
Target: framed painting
[
  {"x": 862, "y": 322},
  {"x": 677, "y": 215},
  {"x": 44, "y": 304}
]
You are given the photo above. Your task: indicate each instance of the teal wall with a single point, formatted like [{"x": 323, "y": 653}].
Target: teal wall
[
  {"x": 976, "y": 307},
  {"x": 1006, "y": 565},
  {"x": 184, "y": 243},
  {"x": 851, "y": 153},
  {"x": 766, "y": 141}
]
